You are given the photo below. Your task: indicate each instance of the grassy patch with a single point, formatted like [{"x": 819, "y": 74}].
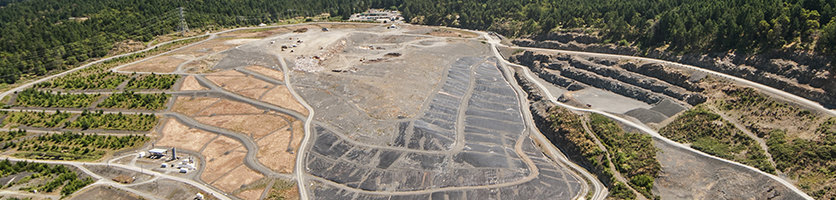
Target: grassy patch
[
  {"x": 131, "y": 100},
  {"x": 813, "y": 163},
  {"x": 633, "y": 154},
  {"x": 153, "y": 81},
  {"x": 282, "y": 190},
  {"x": 119, "y": 121},
  {"x": 710, "y": 133},
  {"x": 34, "y": 98}
]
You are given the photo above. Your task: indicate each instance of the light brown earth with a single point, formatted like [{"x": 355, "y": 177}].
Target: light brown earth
[
  {"x": 175, "y": 134},
  {"x": 257, "y": 33},
  {"x": 236, "y": 178},
  {"x": 203, "y": 65},
  {"x": 281, "y": 97},
  {"x": 190, "y": 106},
  {"x": 190, "y": 84},
  {"x": 169, "y": 63},
  {"x": 273, "y": 149},
  {"x": 225, "y": 73},
  {"x": 237, "y": 82},
  {"x": 162, "y": 64},
  {"x": 170, "y": 189},
  {"x": 228, "y": 107},
  {"x": 786, "y": 117},
  {"x": 272, "y": 73},
  {"x": 251, "y": 194},
  {"x": 222, "y": 155},
  {"x": 105, "y": 192},
  {"x": 255, "y": 125}
]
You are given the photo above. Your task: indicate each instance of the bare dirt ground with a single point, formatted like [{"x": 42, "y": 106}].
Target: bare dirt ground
[
  {"x": 251, "y": 194},
  {"x": 175, "y": 134},
  {"x": 169, "y": 62},
  {"x": 162, "y": 64},
  {"x": 255, "y": 125},
  {"x": 281, "y": 97},
  {"x": 278, "y": 150},
  {"x": 240, "y": 83},
  {"x": 272, "y": 73},
  {"x": 105, "y": 192},
  {"x": 228, "y": 107},
  {"x": 192, "y": 105},
  {"x": 191, "y": 84},
  {"x": 222, "y": 155},
  {"x": 688, "y": 176},
  {"x": 257, "y": 33},
  {"x": 237, "y": 178},
  {"x": 783, "y": 116},
  {"x": 204, "y": 64},
  {"x": 169, "y": 189}
]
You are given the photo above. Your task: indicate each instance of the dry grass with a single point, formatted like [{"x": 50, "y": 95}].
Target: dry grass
[
  {"x": 190, "y": 84},
  {"x": 162, "y": 64},
  {"x": 256, "y": 125},
  {"x": 190, "y": 106},
  {"x": 229, "y": 107},
  {"x": 203, "y": 65},
  {"x": 237, "y": 177},
  {"x": 272, "y": 149},
  {"x": 256, "y": 33},
  {"x": 175, "y": 134},
  {"x": 222, "y": 155},
  {"x": 239, "y": 83},
  {"x": 443, "y": 32},
  {"x": 251, "y": 194},
  {"x": 272, "y": 73},
  {"x": 281, "y": 97}
]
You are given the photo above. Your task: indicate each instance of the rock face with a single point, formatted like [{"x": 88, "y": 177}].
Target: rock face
[
  {"x": 648, "y": 83},
  {"x": 803, "y": 74}
]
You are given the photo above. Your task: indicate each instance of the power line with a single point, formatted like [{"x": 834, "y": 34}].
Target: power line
[{"x": 184, "y": 27}]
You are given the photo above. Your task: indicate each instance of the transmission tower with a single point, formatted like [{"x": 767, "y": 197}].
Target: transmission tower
[{"x": 184, "y": 27}]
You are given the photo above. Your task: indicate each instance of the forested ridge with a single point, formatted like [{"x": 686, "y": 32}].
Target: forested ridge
[{"x": 38, "y": 36}]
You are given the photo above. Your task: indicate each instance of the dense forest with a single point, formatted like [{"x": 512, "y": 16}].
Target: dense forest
[
  {"x": 710, "y": 25},
  {"x": 39, "y": 36}
]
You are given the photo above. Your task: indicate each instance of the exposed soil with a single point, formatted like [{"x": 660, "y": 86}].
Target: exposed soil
[
  {"x": 281, "y": 97},
  {"x": 105, "y": 192},
  {"x": 191, "y": 84},
  {"x": 169, "y": 189},
  {"x": 251, "y": 194},
  {"x": 228, "y": 107},
  {"x": 175, "y": 134},
  {"x": 242, "y": 84},
  {"x": 272, "y": 73},
  {"x": 162, "y": 64},
  {"x": 256, "y": 125},
  {"x": 237, "y": 178},
  {"x": 222, "y": 155},
  {"x": 192, "y": 105},
  {"x": 274, "y": 152}
]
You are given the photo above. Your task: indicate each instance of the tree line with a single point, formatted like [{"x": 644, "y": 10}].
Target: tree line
[{"x": 40, "y": 36}]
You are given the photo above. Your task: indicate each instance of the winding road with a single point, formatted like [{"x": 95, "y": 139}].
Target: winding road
[{"x": 642, "y": 127}]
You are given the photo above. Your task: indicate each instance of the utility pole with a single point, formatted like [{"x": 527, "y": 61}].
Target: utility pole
[{"x": 184, "y": 27}]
